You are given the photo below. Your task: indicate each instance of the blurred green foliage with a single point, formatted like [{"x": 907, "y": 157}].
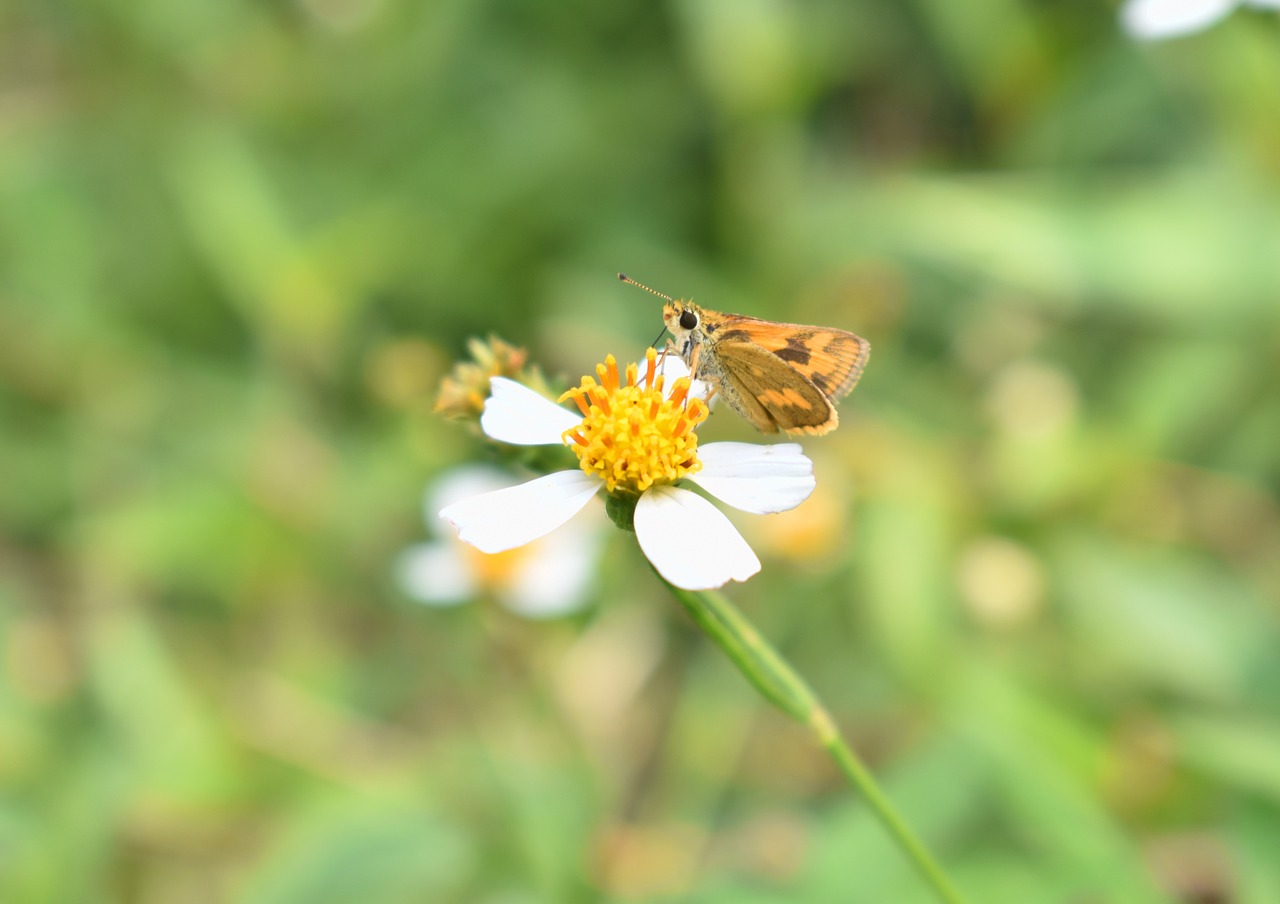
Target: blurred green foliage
[{"x": 241, "y": 242}]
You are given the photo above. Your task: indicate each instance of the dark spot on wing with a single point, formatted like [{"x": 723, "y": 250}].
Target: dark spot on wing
[
  {"x": 795, "y": 352},
  {"x": 820, "y": 380},
  {"x": 736, "y": 336}
]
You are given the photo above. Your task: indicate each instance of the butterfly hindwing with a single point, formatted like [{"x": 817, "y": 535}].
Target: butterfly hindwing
[{"x": 769, "y": 396}]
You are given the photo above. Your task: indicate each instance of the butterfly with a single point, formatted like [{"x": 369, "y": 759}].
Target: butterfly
[{"x": 779, "y": 376}]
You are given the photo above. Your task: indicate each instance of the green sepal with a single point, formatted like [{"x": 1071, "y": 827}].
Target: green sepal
[{"x": 622, "y": 510}]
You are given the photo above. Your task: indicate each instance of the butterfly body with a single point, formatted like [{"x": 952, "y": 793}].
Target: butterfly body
[{"x": 779, "y": 376}]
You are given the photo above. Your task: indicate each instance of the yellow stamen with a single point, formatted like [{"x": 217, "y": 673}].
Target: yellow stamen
[
  {"x": 631, "y": 436},
  {"x": 582, "y": 405}
]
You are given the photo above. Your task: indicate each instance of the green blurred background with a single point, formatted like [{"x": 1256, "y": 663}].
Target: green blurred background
[{"x": 240, "y": 243}]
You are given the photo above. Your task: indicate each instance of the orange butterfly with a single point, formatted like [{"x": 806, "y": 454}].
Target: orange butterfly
[{"x": 779, "y": 376}]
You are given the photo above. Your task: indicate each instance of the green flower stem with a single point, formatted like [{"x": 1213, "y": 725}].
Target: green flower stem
[{"x": 783, "y": 687}]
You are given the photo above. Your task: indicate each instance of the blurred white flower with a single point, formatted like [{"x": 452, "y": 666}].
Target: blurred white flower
[
  {"x": 545, "y": 579},
  {"x": 1154, "y": 20},
  {"x": 635, "y": 441}
]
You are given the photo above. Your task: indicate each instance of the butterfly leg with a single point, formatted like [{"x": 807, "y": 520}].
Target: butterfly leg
[
  {"x": 662, "y": 357},
  {"x": 693, "y": 362}
]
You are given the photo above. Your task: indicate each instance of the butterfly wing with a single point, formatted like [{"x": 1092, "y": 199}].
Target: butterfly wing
[
  {"x": 830, "y": 359},
  {"x": 771, "y": 395}
]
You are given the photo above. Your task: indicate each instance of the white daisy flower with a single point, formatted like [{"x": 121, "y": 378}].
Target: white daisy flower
[
  {"x": 545, "y": 579},
  {"x": 635, "y": 441},
  {"x": 1154, "y": 20}
]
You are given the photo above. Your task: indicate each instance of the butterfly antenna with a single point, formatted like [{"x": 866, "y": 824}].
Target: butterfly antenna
[{"x": 628, "y": 279}]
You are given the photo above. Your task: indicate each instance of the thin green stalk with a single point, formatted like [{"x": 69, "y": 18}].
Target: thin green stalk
[{"x": 782, "y": 686}]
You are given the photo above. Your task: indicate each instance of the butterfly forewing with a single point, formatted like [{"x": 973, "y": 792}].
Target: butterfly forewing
[{"x": 831, "y": 359}]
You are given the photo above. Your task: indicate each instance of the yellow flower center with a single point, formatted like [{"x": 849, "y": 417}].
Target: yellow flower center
[
  {"x": 631, "y": 436},
  {"x": 496, "y": 570}
]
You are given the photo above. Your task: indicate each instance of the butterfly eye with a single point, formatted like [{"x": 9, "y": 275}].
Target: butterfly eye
[{"x": 688, "y": 320}]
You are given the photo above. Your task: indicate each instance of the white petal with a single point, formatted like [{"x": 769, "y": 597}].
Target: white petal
[
  {"x": 461, "y": 483},
  {"x": 755, "y": 478},
  {"x": 1155, "y": 19},
  {"x": 689, "y": 541},
  {"x": 505, "y": 519},
  {"x": 436, "y": 574},
  {"x": 555, "y": 577},
  {"x": 671, "y": 366},
  {"x": 516, "y": 414}
]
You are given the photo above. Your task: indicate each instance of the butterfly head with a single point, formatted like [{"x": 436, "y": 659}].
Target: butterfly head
[{"x": 681, "y": 317}]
